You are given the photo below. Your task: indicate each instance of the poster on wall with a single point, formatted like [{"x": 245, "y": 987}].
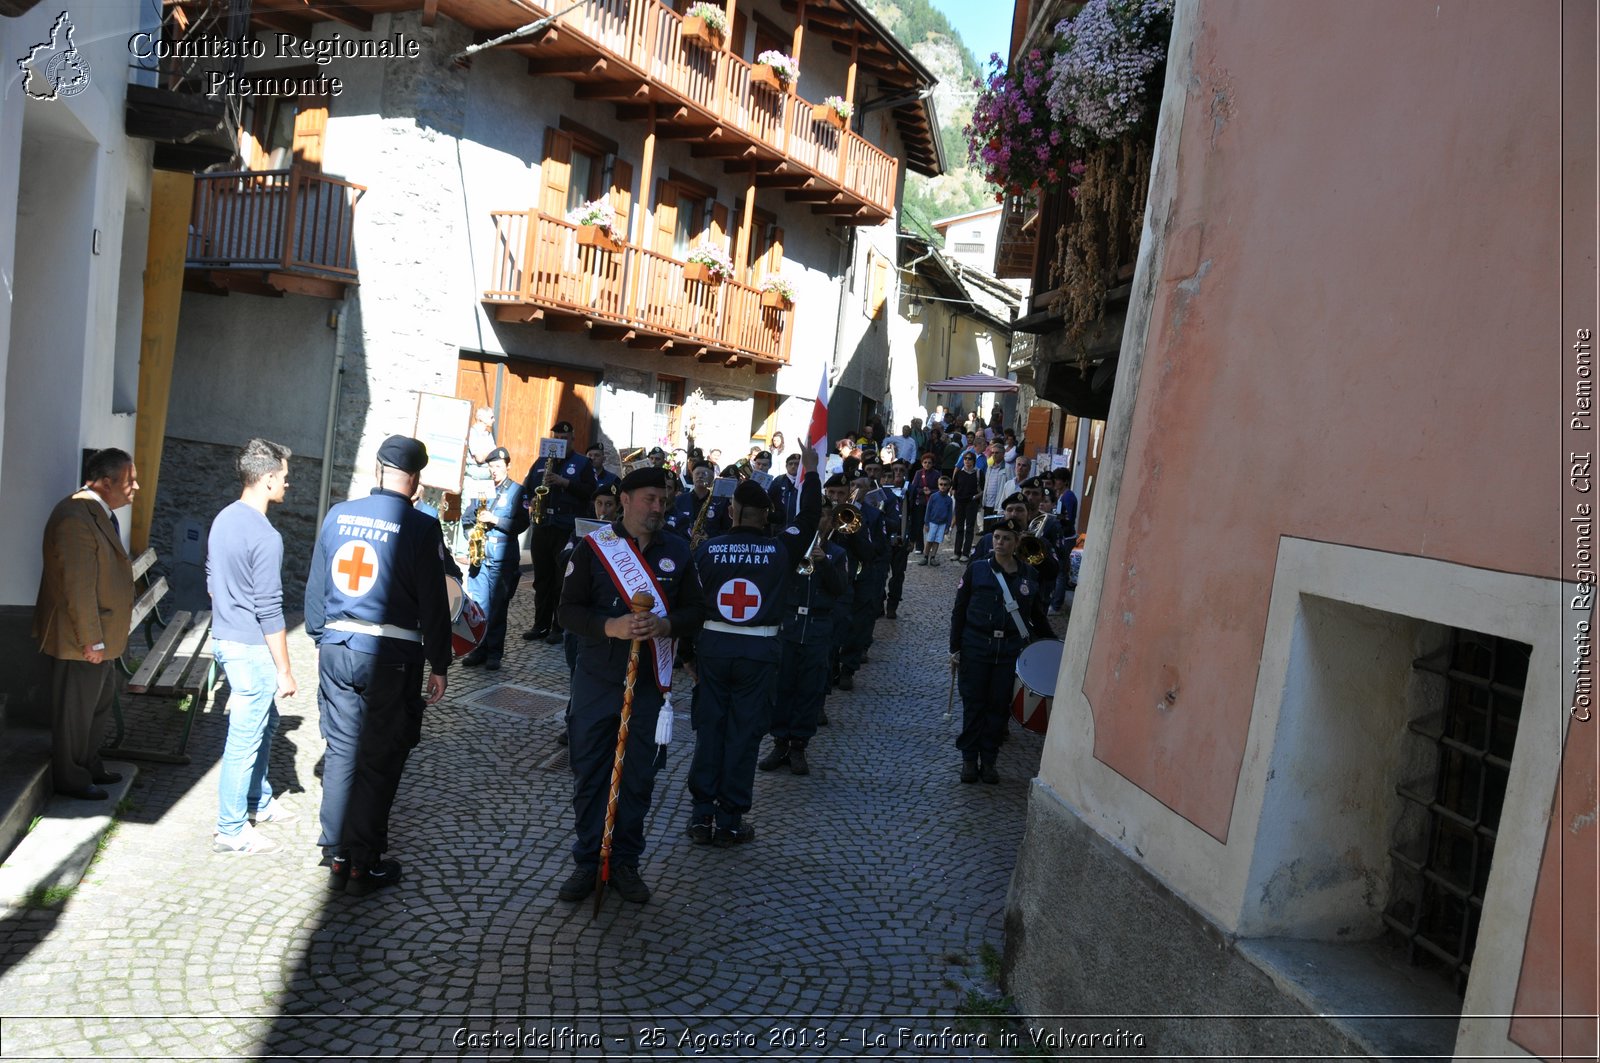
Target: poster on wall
[{"x": 442, "y": 423}]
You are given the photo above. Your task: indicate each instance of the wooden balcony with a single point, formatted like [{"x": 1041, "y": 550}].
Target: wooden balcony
[
  {"x": 634, "y": 53},
  {"x": 271, "y": 232},
  {"x": 541, "y": 273}
]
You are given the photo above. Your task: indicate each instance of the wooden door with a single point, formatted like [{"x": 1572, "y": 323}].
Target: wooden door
[{"x": 529, "y": 397}]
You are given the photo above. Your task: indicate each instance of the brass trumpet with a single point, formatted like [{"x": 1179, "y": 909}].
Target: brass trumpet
[
  {"x": 846, "y": 519},
  {"x": 807, "y": 566},
  {"x": 539, "y": 494},
  {"x": 1031, "y": 549}
]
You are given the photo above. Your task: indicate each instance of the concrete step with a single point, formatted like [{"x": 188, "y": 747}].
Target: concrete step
[
  {"x": 24, "y": 782},
  {"x": 56, "y": 852}
]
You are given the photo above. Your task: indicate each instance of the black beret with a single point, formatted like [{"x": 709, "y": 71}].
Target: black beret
[
  {"x": 403, "y": 453},
  {"x": 1032, "y": 483},
  {"x": 649, "y": 476},
  {"x": 498, "y": 454},
  {"x": 1015, "y": 527},
  {"x": 750, "y": 495},
  {"x": 1014, "y": 499},
  {"x": 656, "y": 452},
  {"x": 836, "y": 480},
  {"x": 610, "y": 489},
  {"x": 767, "y": 454},
  {"x": 561, "y": 426},
  {"x": 697, "y": 454}
]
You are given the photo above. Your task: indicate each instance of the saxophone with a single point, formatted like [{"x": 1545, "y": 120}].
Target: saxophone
[
  {"x": 539, "y": 494},
  {"x": 477, "y": 542},
  {"x": 697, "y": 534}
]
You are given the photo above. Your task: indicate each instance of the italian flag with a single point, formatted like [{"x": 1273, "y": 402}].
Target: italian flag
[{"x": 817, "y": 435}]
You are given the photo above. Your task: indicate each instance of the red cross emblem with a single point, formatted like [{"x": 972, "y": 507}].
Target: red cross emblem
[
  {"x": 355, "y": 568},
  {"x": 738, "y": 599}
]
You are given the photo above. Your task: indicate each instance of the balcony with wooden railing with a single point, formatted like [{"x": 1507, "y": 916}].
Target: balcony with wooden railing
[
  {"x": 540, "y": 272},
  {"x": 272, "y": 232},
  {"x": 636, "y": 55}
]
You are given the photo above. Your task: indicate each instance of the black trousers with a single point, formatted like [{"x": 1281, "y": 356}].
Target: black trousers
[
  {"x": 593, "y": 720},
  {"x": 81, "y": 695},
  {"x": 731, "y": 710},
  {"x": 545, "y": 545},
  {"x": 898, "y": 556},
  {"x": 802, "y": 686},
  {"x": 371, "y": 721},
  {"x": 986, "y": 688},
  {"x": 966, "y": 521}
]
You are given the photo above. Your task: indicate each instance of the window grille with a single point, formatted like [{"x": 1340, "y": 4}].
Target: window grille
[{"x": 1440, "y": 874}]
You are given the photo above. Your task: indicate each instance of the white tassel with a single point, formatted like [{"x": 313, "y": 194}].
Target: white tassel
[{"x": 664, "y": 723}]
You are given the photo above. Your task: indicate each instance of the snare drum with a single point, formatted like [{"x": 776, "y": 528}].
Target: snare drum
[
  {"x": 1035, "y": 684},
  {"x": 467, "y": 619}
]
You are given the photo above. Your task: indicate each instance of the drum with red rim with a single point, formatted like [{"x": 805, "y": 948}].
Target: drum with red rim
[
  {"x": 468, "y": 621},
  {"x": 1035, "y": 684}
]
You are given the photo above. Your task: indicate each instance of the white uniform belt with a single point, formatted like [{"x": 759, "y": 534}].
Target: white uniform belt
[
  {"x": 364, "y": 627},
  {"x": 734, "y": 629}
]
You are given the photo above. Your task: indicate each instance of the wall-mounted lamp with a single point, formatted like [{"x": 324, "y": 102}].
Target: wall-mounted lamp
[{"x": 914, "y": 308}]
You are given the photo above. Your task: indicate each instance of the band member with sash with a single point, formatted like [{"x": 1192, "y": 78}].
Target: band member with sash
[
  {"x": 569, "y": 484},
  {"x": 376, "y": 608},
  {"x": 607, "y": 507},
  {"x": 605, "y": 571},
  {"x": 999, "y": 609},
  {"x": 746, "y": 574},
  {"x": 495, "y": 580}
]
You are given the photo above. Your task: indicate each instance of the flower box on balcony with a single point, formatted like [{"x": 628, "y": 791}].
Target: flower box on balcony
[
  {"x": 776, "y": 300},
  {"x": 598, "y": 236},
  {"x": 822, "y": 112},
  {"x": 762, "y": 74},
  {"x": 702, "y": 273},
  {"x": 698, "y": 29}
]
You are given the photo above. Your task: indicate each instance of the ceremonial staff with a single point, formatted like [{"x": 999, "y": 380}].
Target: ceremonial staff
[{"x": 640, "y": 603}]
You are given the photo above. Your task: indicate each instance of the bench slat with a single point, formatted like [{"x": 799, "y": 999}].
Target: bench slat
[
  {"x": 142, "y": 563},
  {"x": 159, "y": 655},
  {"x": 194, "y": 641},
  {"x": 147, "y": 601}
]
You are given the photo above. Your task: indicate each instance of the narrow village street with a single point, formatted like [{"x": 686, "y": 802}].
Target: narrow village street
[{"x": 864, "y": 907}]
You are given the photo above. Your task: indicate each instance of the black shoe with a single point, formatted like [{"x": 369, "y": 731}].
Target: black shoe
[
  {"x": 579, "y": 884},
  {"x": 562, "y": 738},
  {"x": 891, "y": 614},
  {"x": 534, "y": 634},
  {"x": 371, "y": 879},
  {"x": 626, "y": 880},
  {"x": 493, "y": 666},
  {"x": 473, "y": 659},
  {"x": 822, "y": 718},
  {"x": 777, "y": 758},
  {"x": 969, "y": 771},
  {"x": 847, "y": 681},
  {"x": 338, "y": 873},
  {"x": 988, "y": 774},
  {"x": 701, "y": 831},
  {"x": 797, "y": 761},
  {"x": 554, "y": 639},
  {"x": 88, "y": 793},
  {"x": 106, "y": 778},
  {"x": 728, "y": 837}
]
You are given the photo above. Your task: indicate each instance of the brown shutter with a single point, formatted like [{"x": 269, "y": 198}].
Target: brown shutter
[
  {"x": 666, "y": 217},
  {"x": 719, "y": 226},
  {"x": 310, "y": 130},
  {"x": 622, "y": 194},
  {"x": 556, "y": 173},
  {"x": 775, "y": 252}
]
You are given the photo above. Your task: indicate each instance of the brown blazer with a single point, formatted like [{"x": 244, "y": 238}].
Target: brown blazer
[{"x": 86, "y": 589}]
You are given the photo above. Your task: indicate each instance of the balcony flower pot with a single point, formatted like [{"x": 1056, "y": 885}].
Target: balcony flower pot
[
  {"x": 821, "y": 112},
  {"x": 699, "y": 271},
  {"x": 698, "y": 29},
  {"x": 775, "y": 300},
  {"x": 598, "y": 236},
  {"x": 762, "y": 74}
]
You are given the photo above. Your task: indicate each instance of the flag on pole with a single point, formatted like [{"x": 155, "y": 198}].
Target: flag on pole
[{"x": 817, "y": 435}]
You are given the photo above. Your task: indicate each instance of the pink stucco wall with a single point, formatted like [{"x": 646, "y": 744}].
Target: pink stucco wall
[{"x": 1355, "y": 340}]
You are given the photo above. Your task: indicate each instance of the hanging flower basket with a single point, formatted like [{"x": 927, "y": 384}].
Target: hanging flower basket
[
  {"x": 821, "y": 112},
  {"x": 698, "y": 29},
  {"x": 596, "y": 236},
  {"x": 776, "y": 301}
]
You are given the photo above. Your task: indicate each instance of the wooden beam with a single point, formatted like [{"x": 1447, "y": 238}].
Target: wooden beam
[
  {"x": 518, "y": 313},
  {"x": 690, "y": 132},
  {"x": 567, "y": 323},
  {"x": 297, "y": 284},
  {"x": 611, "y": 333},
  {"x": 783, "y": 180},
  {"x": 823, "y": 195},
  {"x": 741, "y": 253},
  {"x": 723, "y": 151},
  {"x": 850, "y": 79},
  {"x": 612, "y": 90},
  {"x": 576, "y": 64},
  {"x": 249, "y": 283},
  {"x": 430, "y": 11},
  {"x": 650, "y": 343}
]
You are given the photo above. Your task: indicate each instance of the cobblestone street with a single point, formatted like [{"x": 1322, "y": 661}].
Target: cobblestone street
[{"x": 863, "y": 905}]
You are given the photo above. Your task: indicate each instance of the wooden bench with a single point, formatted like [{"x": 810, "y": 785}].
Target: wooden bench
[{"x": 178, "y": 664}]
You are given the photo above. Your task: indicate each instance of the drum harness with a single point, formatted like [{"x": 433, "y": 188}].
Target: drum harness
[{"x": 1011, "y": 604}]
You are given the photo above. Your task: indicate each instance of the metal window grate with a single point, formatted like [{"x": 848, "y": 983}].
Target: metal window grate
[{"x": 1437, "y": 898}]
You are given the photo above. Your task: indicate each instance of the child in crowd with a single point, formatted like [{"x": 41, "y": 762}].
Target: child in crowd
[{"x": 940, "y": 508}]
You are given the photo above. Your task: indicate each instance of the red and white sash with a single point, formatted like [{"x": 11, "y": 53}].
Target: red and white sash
[{"x": 631, "y": 573}]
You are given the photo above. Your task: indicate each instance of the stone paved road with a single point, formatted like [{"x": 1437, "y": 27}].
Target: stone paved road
[{"x": 871, "y": 888}]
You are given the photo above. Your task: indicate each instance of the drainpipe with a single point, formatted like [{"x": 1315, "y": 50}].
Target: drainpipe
[{"x": 333, "y": 412}]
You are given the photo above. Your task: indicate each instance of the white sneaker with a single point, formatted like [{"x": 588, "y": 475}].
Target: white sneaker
[
  {"x": 275, "y": 812},
  {"x": 248, "y": 842}
]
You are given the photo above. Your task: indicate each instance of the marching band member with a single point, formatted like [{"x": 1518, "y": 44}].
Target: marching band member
[
  {"x": 785, "y": 492},
  {"x": 859, "y": 553},
  {"x": 607, "y": 503},
  {"x": 868, "y": 588},
  {"x": 746, "y": 574},
  {"x": 999, "y": 609},
  {"x": 569, "y": 484},
  {"x": 806, "y": 636},
  {"x": 494, "y": 582},
  {"x": 896, "y": 516}
]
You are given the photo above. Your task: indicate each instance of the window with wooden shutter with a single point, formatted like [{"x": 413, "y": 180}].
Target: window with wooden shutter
[
  {"x": 310, "y": 131},
  {"x": 622, "y": 194},
  {"x": 774, "y": 256},
  {"x": 877, "y": 284},
  {"x": 666, "y": 216},
  {"x": 556, "y": 173},
  {"x": 719, "y": 225}
]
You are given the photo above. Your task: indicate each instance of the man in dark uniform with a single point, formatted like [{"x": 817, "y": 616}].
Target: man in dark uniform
[
  {"x": 376, "y": 608},
  {"x": 784, "y": 491},
  {"x": 860, "y": 552},
  {"x": 603, "y": 477},
  {"x": 806, "y": 636},
  {"x": 494, "y": 582},
  {"x": 657, "y": 457},
  {"x": 688, "y": 507},
  {"x": 896, "y": 516},
  {"x": 607, "y": 508},
  {"x": 745, "y": 574},
  {"x": 594, "y": 607},
  {"x": 570, "y": 484},
  {"x": 999, "y": 609},
  {"x": 869, "y": 584}
]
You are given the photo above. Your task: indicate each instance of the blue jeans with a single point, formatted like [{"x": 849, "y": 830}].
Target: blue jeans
[{"x": 252, "y": 721}]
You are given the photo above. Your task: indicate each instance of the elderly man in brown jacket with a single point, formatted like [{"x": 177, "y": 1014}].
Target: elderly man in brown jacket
[{"x": 81, "y": 619}]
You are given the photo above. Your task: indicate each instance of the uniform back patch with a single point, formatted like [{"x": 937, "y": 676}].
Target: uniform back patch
[
  {"x": 355, "y": 568},
  {"x": 738, "y": 600}
]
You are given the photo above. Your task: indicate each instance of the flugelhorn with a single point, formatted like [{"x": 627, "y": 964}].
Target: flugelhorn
[{"x": 1031, "y": 549}]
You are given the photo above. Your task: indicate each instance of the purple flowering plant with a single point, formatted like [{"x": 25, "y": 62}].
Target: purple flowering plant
[{"x": 1013, "y": 137}]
